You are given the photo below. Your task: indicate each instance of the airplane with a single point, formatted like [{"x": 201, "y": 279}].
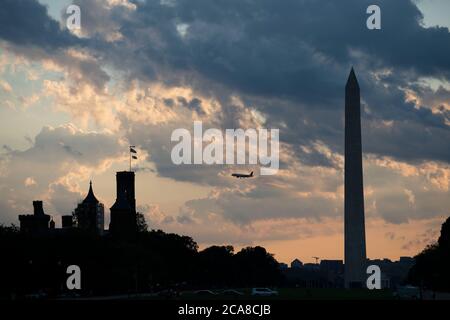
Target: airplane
[{"x": 242, "y": 175}]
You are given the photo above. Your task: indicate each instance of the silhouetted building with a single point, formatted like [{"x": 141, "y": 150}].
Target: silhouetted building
[
  {"x": 385, "y": 281},
  {"x": 355, "y": 234},
  {"x": 123, "y": 212},
  {"x": 67, "y": 222},
  {"x": 296, "y": 264},
  {"x": 332, "y": 266},
  {"x": 307, "y": 276},
  {"x": 394, "y": 273},
  {"x": 89, "y": 214},
  {"x": 283, "y": 266},
  {"x": 408, "y": 261},
  {"x": 311, "y": 266},
  {"x": 333, "y": 271},
  {"x": 35, "y": 223}
]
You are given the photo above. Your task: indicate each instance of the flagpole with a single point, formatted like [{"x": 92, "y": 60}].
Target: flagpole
[{"x": 132, "y": 150}]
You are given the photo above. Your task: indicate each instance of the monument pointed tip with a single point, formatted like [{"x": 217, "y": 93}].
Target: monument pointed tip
[{"x": 352, "y": 77}]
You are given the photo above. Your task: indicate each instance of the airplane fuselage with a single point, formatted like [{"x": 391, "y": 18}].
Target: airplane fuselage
[{"x": 241, "y": 175}]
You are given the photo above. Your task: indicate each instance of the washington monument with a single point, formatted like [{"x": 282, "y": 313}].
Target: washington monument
[{"x": 355, "y": 235}]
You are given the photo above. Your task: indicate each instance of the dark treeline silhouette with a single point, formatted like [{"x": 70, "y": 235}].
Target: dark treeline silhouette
[
  {"x": 432, "y": 268},
  {"x": 153, "y": 261},
  {"x": 252, "y": 266}
]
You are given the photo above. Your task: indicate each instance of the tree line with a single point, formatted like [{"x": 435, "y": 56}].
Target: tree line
[{"x": 152, "y": 261}]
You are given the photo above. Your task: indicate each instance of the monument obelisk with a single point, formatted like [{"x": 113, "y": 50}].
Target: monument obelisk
[{"x": 355, "y": 234}]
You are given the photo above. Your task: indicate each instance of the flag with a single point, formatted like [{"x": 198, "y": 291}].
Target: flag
[
  {"x": 134, "y": 157},
  {"x": 132, "y": 150}
]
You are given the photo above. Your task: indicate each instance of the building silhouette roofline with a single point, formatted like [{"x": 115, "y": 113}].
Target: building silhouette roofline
[{"x": 90, "y": 198}]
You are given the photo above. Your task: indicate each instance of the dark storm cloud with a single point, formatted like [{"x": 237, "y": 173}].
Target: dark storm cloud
[
  {"x": 28, "y": 30},
  {"x": 27, "y": 23},
  {"x": 287, "y": 59},
  {"x": 290, "y": 60},
  {"x": 272, "y": 48},
  {"x": 71, "y": 151},
  {"x": 408, "y": 141},
  {"x": 159, "y": 149},
  {"x": 194, "y": 104}
]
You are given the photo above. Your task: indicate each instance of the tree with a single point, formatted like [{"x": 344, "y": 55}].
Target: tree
[
  {"x": 257, "y": 267},
  {"x": 432, "y": 264},
  {"x": 215, "y": 265},
  {"x": 11, "y": 230},
  {"x": 141, "y": 223},
  {"x": 444, "y": 238}
]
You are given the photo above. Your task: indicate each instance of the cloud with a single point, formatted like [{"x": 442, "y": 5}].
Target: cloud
[
  {"x": 5, "y": 86},
  {"x": 83, "y": 103},
  {"x": 99, "y": 18},
  {"x": 264, "y": 53},
  {"x": 27, "y": 30},
  {"x": 27, "y": 23},
  {"x": 422, "y": 239},
  {"x": 401, "y": 192},
  {"x": 30, "y": 182},
  {"x": 52, "y": 168},
  {"x": 294, "y": 78},
  {"x": 222, "y": 231}
]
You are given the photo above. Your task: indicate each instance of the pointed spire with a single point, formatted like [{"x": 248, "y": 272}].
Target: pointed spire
[
  {"x": 90, "y": 198},
  {"x": 352, "y": 81},
  {"x": 90, "y": 187}
]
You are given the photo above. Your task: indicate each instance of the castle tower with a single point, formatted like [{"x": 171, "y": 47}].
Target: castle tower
[
  {"x": 125, "y": 186},
  {"x": 89, "y": 214},
  {"x": 36, "y": 223},
  {"x": 123, "y": 212},
  {"x": 355, "y": 238}
]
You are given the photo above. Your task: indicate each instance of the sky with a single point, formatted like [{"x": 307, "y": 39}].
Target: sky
[{"x": 72, "y": 101}]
